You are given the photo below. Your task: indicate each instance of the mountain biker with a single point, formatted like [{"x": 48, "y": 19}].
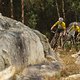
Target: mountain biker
[
  {"x": 75, "y": 28},
  {"x": 61, "y": 30},
  {"x": 61, "y": 26}
]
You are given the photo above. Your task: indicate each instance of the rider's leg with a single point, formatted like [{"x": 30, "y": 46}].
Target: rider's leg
[
  {"x": 56, "y": 39},
  {"x": 61, "y": 37},
  {"x": 61, "y": 33},
  {"x": 75, "y": 36}
]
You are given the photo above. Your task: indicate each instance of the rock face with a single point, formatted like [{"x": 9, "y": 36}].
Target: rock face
[
  {"x": 72, "y": 77},
  {"x": 24, "y": 51}
]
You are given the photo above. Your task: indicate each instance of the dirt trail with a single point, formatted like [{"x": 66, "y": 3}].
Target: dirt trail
[{"x": 71, "y": 70}]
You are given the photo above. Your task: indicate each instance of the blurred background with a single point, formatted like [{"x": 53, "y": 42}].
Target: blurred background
[{"x": 41, "y": 14}]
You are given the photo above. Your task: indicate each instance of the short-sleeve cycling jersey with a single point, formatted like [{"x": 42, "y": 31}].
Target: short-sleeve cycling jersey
[
  {"x": 77, "y": 28},
  {"x": 62, "y": 24}
]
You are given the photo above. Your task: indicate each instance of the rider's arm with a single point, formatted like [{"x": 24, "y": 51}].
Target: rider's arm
[
  {"x": 64, "y": 26},
  {"x": 78, "y": 28},
  {"x": 72, "y": 27},
  {"x": 54, "y": 25}
]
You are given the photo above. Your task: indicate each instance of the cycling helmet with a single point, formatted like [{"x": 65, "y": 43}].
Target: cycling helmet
[
  {"x": 61, "y": 19},
  {"x": 75, "y": 23}
]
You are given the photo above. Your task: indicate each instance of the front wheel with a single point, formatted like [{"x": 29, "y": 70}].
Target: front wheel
[{"x": 54, "y": 41}]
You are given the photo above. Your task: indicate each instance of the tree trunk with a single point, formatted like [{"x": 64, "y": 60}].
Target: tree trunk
[
  {"x": 75, "y": 15},
  {"x": 22, "y": 4},
  {"x": 5, "y": 8},
  {"x": 17, "y": 10},
  {"x": 0, "y": 6},
  {"x": 63, "y": 11},
  {"x": 11, "y": 8},
  {"x": 57, "y": 8}
]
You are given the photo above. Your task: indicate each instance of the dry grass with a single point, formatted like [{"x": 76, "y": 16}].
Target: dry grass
[
  {"x": 69, "y": 62},
  {"x": 70, "y": 67},
  {"x": 55, "y": 77}
]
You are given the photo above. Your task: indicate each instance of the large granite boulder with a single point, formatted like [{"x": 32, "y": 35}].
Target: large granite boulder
[{"x": 25, "y": 54}]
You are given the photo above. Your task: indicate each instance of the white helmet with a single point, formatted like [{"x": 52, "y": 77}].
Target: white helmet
[
  {"x": 61, "y": 19},
  {"x": 75, "y": 23}
]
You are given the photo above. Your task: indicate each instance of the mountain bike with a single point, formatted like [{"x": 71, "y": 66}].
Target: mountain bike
[
  {"x": 70, "y": 41},
  {"x": 57, "y": 40}
]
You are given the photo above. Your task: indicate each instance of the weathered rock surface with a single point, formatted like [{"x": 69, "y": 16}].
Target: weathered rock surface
[
  {"x": 72, "y": 77},
  {"x": 25, "y": 54}
]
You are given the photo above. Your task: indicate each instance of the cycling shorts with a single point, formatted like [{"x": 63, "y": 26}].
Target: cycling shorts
[{"x": 59, "y": 30}]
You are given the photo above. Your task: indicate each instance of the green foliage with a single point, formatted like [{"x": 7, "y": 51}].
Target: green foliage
[
  {"x": 42, "y": 14},
  {"x": 68, "y": 45},
  {"x": 39, "y": 14},
  {"x": 32, "y": 22}
]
